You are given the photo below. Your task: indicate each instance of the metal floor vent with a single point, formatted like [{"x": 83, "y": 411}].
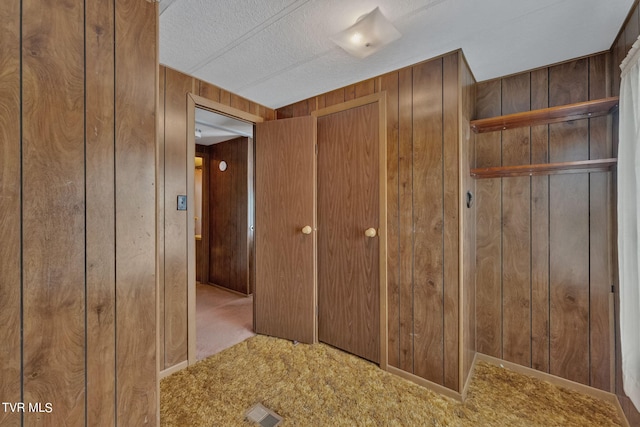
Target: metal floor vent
[{"x": 265, "y": 417}]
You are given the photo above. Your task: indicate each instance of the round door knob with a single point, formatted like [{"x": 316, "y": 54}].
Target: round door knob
[
  {"x": 306, "y": 229},
  {"x": 370, "y": 232}
]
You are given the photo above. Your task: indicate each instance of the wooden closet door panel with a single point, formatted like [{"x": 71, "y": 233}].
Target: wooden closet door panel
[
  {"x": 348, "y": 204},
  {"x": 284, "y": 256}
]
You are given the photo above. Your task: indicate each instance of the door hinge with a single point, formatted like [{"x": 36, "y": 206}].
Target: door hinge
[{"x": 613, "y": 289}]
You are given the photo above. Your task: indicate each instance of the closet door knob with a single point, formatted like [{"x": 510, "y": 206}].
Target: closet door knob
[
  {"x": 370, "y": 232},
  {"x": 306, "y": 229}
]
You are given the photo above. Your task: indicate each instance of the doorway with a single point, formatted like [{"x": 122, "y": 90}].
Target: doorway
[{"x": 220, "y": 279}]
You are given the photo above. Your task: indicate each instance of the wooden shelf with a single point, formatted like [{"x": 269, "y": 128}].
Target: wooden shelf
[
  {"x": 584, "y": 166},
  {"x": 564, "y": 113}
]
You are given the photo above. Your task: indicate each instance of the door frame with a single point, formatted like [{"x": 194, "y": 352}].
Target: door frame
[
  {"x": 381, "y": 99},
  {"x": 195, "y": 101}
]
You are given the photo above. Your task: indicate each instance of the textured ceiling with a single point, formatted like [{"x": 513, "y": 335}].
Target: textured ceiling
[{"x": 276, "y": 52}]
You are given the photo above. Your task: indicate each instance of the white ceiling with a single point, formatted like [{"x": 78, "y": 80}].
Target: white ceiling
[
  {"x": 215, "y": 128},
  {"x": 276, "y": 52}
]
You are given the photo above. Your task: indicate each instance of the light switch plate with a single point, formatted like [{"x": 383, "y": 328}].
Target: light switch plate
[{"x": 182, "y": 202}]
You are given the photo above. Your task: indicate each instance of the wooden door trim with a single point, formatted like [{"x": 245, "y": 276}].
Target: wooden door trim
[
  {"x": 194, "y": 101},
  {"x": 381, "y": 99}
]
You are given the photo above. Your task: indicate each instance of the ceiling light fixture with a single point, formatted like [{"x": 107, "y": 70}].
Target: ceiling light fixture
[
  {"x": 369, "y": 34},
  {"x": 198, "y": 134}
]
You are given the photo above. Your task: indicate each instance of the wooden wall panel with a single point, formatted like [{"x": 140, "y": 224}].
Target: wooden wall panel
[
  {"x": 405, "y": 219},
  {"x": 468, "y": 224},
  {"x": 488, "y": 227},
  {"x": 540, "y": 229},
  {"x": 100, "y": 212},
  {"x": 10, "y": 212},
  {"x": 451, "y": 189},
  {"x": 552, "y": 230},
  {"x": 516, "y": 304},
  {"x": 600, "y": 239},
  {"x": 160, "y": 214},
  {"x": 228, "y": 215},
  {"x": 75, "y": 133},
  {"x": 428, "y": 221},
  {"x": 389, "y": 84},
  {"x": 176, "y": 234},
  {"x": 424, "y": 140},
  {"x": 569, "y": 230},
  {"x": 135, "y": 176},
  {"x": 53, "y": 210}
]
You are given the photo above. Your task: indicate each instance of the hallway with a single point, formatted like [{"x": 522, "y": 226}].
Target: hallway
[{"x": 223, "y": 319}]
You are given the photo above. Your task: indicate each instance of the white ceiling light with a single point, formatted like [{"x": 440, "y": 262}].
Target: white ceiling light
[
  {"x": 198, "y": 134},
  {"x": 369, "y": 34}
]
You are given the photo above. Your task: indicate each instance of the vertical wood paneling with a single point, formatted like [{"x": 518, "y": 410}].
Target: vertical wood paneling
[
  {"x": 468, "y": 241},
  {"x": 228, "y": 225},
  {"x": 405, "y": 219},
  {"x": 100, "y": 211},
  {"x": 600, "y": 241},
  {"x": 554, "y": 231},
  {"x": 135, "y": 126},
  {"x": 569, "y": 230},
  {"x": 540, "y": 229},
  {"x": 516, "y": 318},
  {"x": 428, "y": 221},
  {"x": 160, "y": 215},
  {"x": 451, "y": 188},
  {"x": 54, "y": 210},
  {"x": 389, "y": 83},
  {"x": 488, "y": 228},
  {"x": 10, "y": 169},
  {"x": 176, "y": 234}
]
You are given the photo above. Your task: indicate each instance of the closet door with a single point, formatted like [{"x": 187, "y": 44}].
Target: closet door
[
  {"x": 348, "y": 225},
  {"x": 284, "y": 247}
]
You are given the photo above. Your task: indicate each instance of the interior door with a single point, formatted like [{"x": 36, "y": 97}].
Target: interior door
[
  {"x": 284, "y": 248},
  {"x": 348, "y": 221}
]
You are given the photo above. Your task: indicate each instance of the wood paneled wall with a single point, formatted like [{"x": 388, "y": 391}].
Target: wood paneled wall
[
  {"x": 627, "y": 36},
  {"x": 228, "y": 214},
  {"x": 425, "y": 141},
  {"x": 77, "y": 218},
  {"x": 173, "y": 233},
  {"x": 544, "y": 261}
]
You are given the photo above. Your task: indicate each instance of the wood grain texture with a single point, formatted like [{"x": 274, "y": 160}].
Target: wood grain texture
[
  {"x": 228, "y": 215},
  {"x": 516, "y": 279},
  {"x": 569, "y": 231},
  {"x": 468, "y": 237},
  {"x": 202, "y": 151},
  {"x": 53, "y": 211},
  {"x": 631, "y": 30},
  {"x": 135, "y": 125},
  {"x": 451, "y": 220},
  {"x": 600, "y": 239},
  {"x": 160, "y": 214},
  {"x": 389, "y": 83},
  {"x": 176, "y": 233},
  {"x": 488, "y": 228},
  {"x": 405, "y": 219},
  {"x": 539, "y": 230},
  {"x": 10, "y": 236},
  {"x": 348, "y": 204},
  {"x": 428, "y": 221},
  {"x": 100, "y": 212},
  {"x": 284, "y": 295}
]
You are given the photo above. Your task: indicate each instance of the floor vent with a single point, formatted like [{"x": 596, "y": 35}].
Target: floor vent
[{"x": 263, "y": 416}]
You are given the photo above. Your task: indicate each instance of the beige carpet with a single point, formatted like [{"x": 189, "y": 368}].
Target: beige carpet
[{"x": 316, "y": 385}]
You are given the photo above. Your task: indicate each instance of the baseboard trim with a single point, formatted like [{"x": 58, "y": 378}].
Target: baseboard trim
[
  {"x": 472, "y": 372},
  {"x": 558, "y": 381},
  {"x": 437, "y": 388},
  {"x": 175, "y": 368},
  {"x": 224, "y": 288}
]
